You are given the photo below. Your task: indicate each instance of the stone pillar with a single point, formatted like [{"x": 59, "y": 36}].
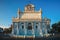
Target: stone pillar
[
  {"x": 45, "y": 28},
  {"x": 13, "y": 29},
  {"x": 40, "y": 25},
  {"x": 39, "y": 28},
  {"x": 17, "y": 29},
  {"x": 33, "y": 30},
  {"x": 25, "y": 29}
]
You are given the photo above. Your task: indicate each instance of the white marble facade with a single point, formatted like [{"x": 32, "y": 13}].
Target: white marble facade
[{"x": 29, "y": 24}]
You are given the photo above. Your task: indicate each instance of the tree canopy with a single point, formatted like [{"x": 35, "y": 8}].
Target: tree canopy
[{"x": 56, "y": 27}]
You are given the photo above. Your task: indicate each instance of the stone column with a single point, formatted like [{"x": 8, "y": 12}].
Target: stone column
[
  {"x": 40, "y": 25},
  {"x": 24, "y": 29},
  {"x": 33, "y": 30},
  {"x": 45, "y": 28},
  {"x": 17, "y": 29},
  {"x": 39, "y": 28},
  {"x": 12, "y": 29}
]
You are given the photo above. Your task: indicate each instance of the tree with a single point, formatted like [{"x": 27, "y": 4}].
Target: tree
[
  {"x": 56, "y": 27},
  {"x": 8, "y": 30}
]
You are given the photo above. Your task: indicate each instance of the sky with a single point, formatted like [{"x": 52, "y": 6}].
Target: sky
[{"x": 9, "y": 8}]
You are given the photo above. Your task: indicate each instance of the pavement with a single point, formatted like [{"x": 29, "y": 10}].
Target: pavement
[{"x": 7, "y": 37}]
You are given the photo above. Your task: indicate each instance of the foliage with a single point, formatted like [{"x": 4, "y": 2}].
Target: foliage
[
  {"x": 8, "y": 30},
  {"x": 56, "y": 28}
]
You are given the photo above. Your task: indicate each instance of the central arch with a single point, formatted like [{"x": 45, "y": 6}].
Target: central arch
[{"x": 29, "y": 28}]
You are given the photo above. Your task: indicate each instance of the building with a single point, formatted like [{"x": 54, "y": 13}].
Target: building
[{"x": 30, "y": 23}]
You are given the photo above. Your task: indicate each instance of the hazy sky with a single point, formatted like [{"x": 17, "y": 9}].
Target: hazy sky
[{"x": 8, "y": 9}]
